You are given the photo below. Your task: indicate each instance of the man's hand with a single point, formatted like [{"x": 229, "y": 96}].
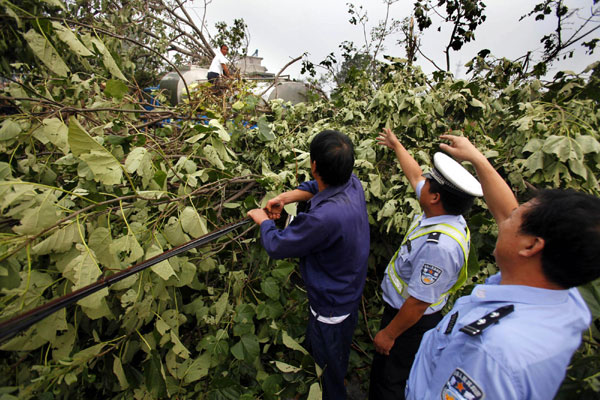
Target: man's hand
[
  {"x": 258, "y": 215},
  {"x": 388, "y": 139},
  {"x": 383, "y": 342},
  {"x": 498, "y": 195},
  {"x": 460, "y": 148},
  {"x": 275, "y": 207}
]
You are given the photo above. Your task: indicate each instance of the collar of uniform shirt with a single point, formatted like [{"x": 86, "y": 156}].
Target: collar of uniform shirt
[
  {"x": 518, "y": 294},
  {"x": 440, "y": 219},
  {"x": 328, "y": 192}
]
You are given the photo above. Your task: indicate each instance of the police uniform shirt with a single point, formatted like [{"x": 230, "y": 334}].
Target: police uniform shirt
[
  {"x": 431, "y": 267},
  {"x": 524, "y": 355}
]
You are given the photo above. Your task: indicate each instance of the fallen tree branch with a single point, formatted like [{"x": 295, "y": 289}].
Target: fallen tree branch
[{"x": 279, "y": 73}]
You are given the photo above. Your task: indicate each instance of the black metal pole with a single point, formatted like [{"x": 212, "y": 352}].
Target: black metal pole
[{"x": 21, "y": 322}]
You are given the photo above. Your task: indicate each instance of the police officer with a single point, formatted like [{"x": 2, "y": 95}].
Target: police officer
[
  {"x": 514, "y": 336},
  {"x": 430, "y": 263}
]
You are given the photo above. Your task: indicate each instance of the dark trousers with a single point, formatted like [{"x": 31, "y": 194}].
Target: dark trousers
[
  {"x": 212, "y": 77},
  {"x": 389, "y": 373},
  {"x": 330, "y": 347}
]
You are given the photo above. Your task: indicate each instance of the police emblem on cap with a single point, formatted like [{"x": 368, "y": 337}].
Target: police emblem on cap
[
  {"x": 453, "y": 176},
  {"x": 460, "y": 386},
  {"x": 430, "y": 274}
]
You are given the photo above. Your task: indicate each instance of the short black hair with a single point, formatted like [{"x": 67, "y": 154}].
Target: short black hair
[
  {"x": 333, "y": 153},
  {"x": 569, "y": 223},
  {"x": 453, "y": 203}
]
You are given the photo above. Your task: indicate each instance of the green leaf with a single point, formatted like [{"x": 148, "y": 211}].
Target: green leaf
[
  {"x": 120, "y": 373},
  {"x": 173, "y": 232},
  {"x": 139, "y": 161},
  {"x": 272, "y": 386},
  {"x": 100, "y": 241},
  {"x": 376, "y": 184},
  {"x": 127, "y": 249},
  {"x": 82, "y": 271},
  {"x": 244, "y": 313},
  {"x": 5, "y": 171},
  {"x": 10, "y": 129},
  {"x": 212, "y": 156},
  {"x": 287, "y": 368},
  {"x": 264, "y": 130},
  {"x": 56, "y": 3},
  {"x": 154, "y": 376},
  {"x": 198, "y": 368},
  {"x": 476, "y": 103},
  {"x": 535, "y": 162},
  {"x": 221, "y": 131},
  {"x": 54, "y": 131},
  {"x": 44, "y": 50},
  {"x": 116, "y": 89},
  {"x": 238, "y": 105},
  {"x": 66, "y": 35},
  {"x": 178, "y": 347},
  {"x": 192, "y": 223},
  {"x": 217, "y": 143},
  {"x": 108, "y": 60},
  {"x": 163, "y": 268},
  {"x": 270, "y": 287},
  {"x": 105, "y": 167},
  {"x": 578, "y": 167},
  {"x": 533, "y": 145},
  {"x": 315, "y": 392},
  {"x": 589, "y": 144},
  {"x": 269, "y": 309},
  {"x": 291, "y": 343},
  {"x": 221, "y": 306},
  {"x": 59, "y": 242},
  {"x": 247, "y": 348},
  {"x": 160, "y": 177},
  {"x": 37, "y": 219},
  {"x": 564, "y": 147},
  {"x": 283, "y": 270}
]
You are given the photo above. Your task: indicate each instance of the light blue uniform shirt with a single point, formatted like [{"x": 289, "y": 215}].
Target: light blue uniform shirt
[
  {"x": 523, "y": 356},
  {"x": 446, "y": 255}
]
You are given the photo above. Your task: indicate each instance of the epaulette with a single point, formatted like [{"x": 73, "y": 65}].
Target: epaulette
[
  {"x": 434, "y": 237},
  {"x": 475, "y": 328}
]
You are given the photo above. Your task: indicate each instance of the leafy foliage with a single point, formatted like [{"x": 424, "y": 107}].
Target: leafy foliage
[{"x": 92, "y": 182}]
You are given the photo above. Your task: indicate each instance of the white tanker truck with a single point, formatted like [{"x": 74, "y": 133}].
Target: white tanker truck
[{"x": 250, "y": 68}]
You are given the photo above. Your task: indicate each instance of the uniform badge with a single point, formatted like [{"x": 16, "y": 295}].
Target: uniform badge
[
  {"x": 460, "y": 386},
  {"x": 430, "y": 274}
]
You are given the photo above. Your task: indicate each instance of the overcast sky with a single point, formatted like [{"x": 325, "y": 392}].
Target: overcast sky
[{"x": 284, "y": 29}]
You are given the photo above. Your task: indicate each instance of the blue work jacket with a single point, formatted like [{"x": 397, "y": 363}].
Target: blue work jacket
[{"x": 332, "y": 241}]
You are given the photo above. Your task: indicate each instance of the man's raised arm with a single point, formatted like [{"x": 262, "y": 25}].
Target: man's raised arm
[
  {"x": 409, "y": 165},
  {"x": 499, "y": 197}
]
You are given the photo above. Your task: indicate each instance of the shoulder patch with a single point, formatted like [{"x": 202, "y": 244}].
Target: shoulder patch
[
  {"x": 460, "y": 386},
  {"x": 451, "y": 323},
  {"x": 434, "y": 237},
  {"x": 430, "y": 274},
  {"x": 475, "y": 328}
]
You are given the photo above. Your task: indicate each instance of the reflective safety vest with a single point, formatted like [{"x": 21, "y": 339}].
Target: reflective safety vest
[{"x": 413, "y": 233}]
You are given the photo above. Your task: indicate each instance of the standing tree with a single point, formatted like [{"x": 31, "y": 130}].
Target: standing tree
[
  {"x": 464, "y": 17},
  {"x": 573, "y": 26}
]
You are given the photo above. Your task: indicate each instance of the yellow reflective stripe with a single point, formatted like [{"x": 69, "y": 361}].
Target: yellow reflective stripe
[
  {"x": 400, "y": 286},
  {"x": 446, "y": 229}
]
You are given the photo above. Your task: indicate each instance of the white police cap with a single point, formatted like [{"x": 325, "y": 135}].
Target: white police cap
[{"x": 453, "y": 176}]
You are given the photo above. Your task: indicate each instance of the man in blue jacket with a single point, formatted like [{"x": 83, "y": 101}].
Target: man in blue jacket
[{"x": 332, "y": 241}]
